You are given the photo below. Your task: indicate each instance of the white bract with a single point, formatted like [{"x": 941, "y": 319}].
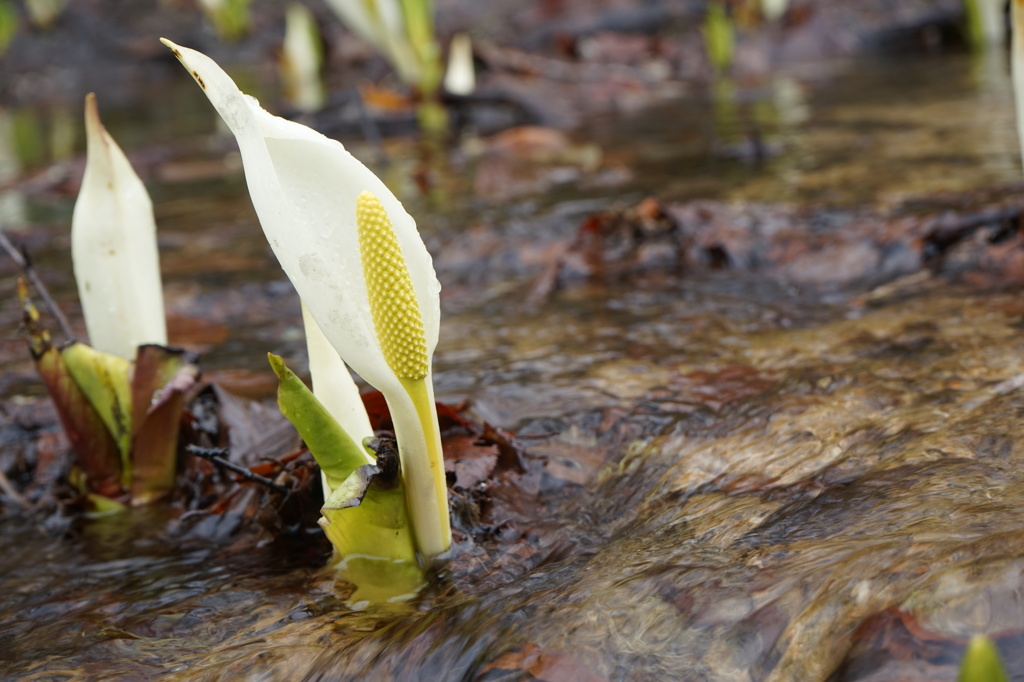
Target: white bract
[
  {"x": 333, "y": 386},
  {"x": 114, "y": 251},
  {"x": 306, "y": 189}
]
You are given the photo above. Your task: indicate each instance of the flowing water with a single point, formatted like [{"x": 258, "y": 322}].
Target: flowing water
[{"x": 743, "y": 480}]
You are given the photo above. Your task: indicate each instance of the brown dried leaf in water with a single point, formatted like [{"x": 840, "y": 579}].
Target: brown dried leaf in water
[
  {"x": 511, "y": 452},
  {"x": 162, "y": 378},
  {"x": 535, "y": 143},
  {"x": 471, "y": 462},
  {"x": 254, "y": 430},
  {"x": 717, "y": 388},
  {"x": 384, "y": 99},
  {"x": 891, "y": 644},
  {"x": 243, "y": 383},
  {"x": 196, "y": 332},
  {"x": 542, "y": 664}
]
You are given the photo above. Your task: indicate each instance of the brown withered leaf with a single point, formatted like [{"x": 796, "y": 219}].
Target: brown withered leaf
[
  {"x": 540, "y": 663},
  {"x": 892, "y": 644},
  {"x": 471, "y": 462},
  {"x": 717, "y": 388},
  {"x": 254, "y": 430},
  {"x": 163, "y": 377},
  {"x": 383, "y": 99},
  {"x": 95, "y": 450},
  {"x": 448, "y": 416}
]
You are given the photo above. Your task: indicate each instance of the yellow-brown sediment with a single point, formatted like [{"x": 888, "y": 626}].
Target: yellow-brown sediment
[{"x": 393, "y": 305}]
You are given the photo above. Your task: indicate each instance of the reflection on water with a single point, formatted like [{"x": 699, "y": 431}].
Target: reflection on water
[
  {"x": 873, "y": 131},
  {"x": 761, "y": 482}
]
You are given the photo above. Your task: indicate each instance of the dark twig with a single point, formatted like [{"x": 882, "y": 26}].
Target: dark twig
[
  {"x": 21, "y": 259},
  {"x": 215, "y": 455},
  {"x": 949, "y": 229}
]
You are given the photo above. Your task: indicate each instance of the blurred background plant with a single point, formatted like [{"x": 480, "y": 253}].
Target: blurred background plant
[
  {"x": 302, "y": 59},
  {"x": 42, "y": 13},
  {"x": 120, "y": 400},
  {"x": 986, "y": 22},
  {"x": 404, "y": 32},
  {"x": 8, "y": 24},
  {"x": 719, "y": 36},
  {"x": 230, "y": 18},
  {"x": 981, "y": 662}
]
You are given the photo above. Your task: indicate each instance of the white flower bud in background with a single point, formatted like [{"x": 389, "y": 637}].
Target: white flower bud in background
[{"x": 114, "y": 251}]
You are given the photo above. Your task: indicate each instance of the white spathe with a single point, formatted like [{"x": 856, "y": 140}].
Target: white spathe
[
  {"x": 333, "y": 386},
  {"x": 304, "y": 187},
  {"x": 114, "y": 250}
]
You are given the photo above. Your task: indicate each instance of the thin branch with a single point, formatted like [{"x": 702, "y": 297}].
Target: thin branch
[
  {"x": 215, "y": 455},
  {"x": 21, "y": 259}
]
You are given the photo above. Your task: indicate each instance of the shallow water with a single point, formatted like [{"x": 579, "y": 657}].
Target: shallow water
[{"x": 761, "y": 484}]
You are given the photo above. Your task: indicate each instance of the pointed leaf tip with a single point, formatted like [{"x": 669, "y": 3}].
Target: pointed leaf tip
[
  {"x": 981, "y": 662},
  {"x": 277, "y": 364},
  {"x": 334, "y": 450},
  {"x": 173, "y": 47}
]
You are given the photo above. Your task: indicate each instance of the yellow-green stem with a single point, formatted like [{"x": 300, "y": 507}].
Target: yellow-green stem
[{"x": 423, "y": 467}]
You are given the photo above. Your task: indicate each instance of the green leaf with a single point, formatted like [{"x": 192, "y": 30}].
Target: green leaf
[
  {"x": 981, "y": 662},
  {"x": 365, "y": 516},
  {"x": 719, "y": 36},
  {"x": 8, "y": 24},
  {"x": 334, "y": 450},
  {"x": 96, "y": 452},
  {"x": 365, "y": 519},
  {"x": 103, "y": 378}
]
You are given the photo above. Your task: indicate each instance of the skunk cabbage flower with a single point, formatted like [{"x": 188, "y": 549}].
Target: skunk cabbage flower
[
  {"x": 382, "y": 24},
  {"x": 359, "y": 265},
  {"x": 113, "y": 246},
  {"x": 120, "y": 401}
]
